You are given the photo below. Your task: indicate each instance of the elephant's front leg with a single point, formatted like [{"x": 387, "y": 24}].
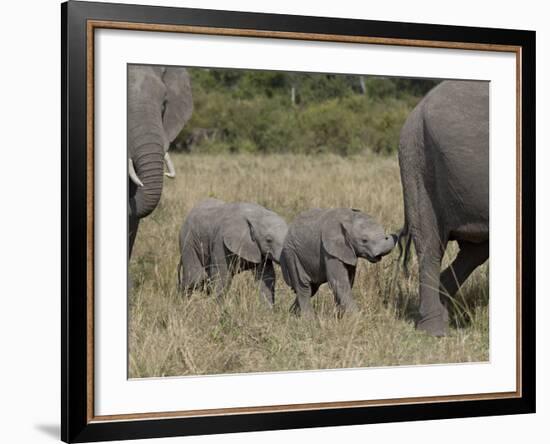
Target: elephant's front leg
[
  {"x": 340, "y": 279},
  {"x": 220, "y": 281},
  {"x": 133, "y": 225},
  {"x": 264, "y": 274}
]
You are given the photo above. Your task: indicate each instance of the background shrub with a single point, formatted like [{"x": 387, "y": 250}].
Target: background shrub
[{"x": 247, "y": 111}]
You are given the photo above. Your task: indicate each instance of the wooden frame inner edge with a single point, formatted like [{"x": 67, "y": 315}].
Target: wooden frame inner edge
[{"x": 90, "y": 28}]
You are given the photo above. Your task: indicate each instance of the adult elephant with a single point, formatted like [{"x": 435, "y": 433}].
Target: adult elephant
[
  {"x": 159, "y": 105},
  {"x": 444, "y": 163}
]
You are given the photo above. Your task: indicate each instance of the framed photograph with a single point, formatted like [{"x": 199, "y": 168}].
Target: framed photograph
[{"x": 276, "y": 221}]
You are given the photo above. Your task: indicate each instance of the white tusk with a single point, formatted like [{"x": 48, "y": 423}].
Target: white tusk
[
  {"x": 133, "y": 174},
  {"x": 171, "y": 173}
]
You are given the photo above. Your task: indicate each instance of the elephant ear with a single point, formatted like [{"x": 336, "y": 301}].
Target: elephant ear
[
  {"x": 238, "y": 238},
  {"x": 334, "y": 237},
  {"x": 178, "y": 102}
]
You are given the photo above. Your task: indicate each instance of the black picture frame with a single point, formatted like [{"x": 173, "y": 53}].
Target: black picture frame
[{"x": 76, "y": 423}]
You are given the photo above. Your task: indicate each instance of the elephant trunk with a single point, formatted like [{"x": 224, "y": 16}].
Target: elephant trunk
[
  {"x": 277, "y": 254},
  {"x": 146, "y": 149},
  {"x": 380, "y": 248},
  {"x": 148, "y": 161},
  {"x": 385, "y": 246}
]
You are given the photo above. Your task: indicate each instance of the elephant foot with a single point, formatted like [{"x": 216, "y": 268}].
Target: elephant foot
[
  {"x": 296, "y": 310},
  {"x": 303, "y": 309},
  {"x": 437, "y": 326},
  {"x": 347, "y": 310},
  {"x": 267, "y": 300}
]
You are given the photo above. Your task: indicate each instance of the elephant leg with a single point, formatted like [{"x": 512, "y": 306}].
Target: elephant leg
[
  {"x": 220, "y": 276},
  {"x": 434, "y": 317},
  {"x": 430, "y": 242},
  {"x": 265, "y": 275},
  {"x": 221, "y": 269},
  {"x": 221, "y": 284},
  {"x": 338, "y": 277},
  {"x": 191, "y": 274},
  {"x": 351, "y": 275},
  {"x": 469, "y": 257},
  {"x": 312, "y": 291},
  {"x": 133, "y": 225},
  {"x": 302, "y": 304}
]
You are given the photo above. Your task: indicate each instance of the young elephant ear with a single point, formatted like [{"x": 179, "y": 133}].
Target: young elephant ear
[
  {"x": 238, "y": 238},
  {"x": 334, "y": 238}
]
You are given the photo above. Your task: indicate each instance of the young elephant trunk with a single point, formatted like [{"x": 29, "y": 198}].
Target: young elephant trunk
[
  {"x": 276, "y": 255},
  {"x": 384, "y": 246}
]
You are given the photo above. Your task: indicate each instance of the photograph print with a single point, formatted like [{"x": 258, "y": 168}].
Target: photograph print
[{"x": 288, "y": 221}]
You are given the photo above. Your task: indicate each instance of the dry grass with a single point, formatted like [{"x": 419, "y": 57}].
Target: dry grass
[{"x": 170, "y": 335}]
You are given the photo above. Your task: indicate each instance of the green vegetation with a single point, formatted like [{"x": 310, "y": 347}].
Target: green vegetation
[{"x": 245, "y": 111}]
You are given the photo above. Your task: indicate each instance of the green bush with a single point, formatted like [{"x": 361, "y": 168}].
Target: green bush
[
  {"x": 253, "y": 112},
  {"x": 330, "y": 126}
]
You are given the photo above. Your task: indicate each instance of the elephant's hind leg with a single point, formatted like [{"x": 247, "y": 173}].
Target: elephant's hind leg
[
  {"x": 434, "y": 317},
  {"x": 430, "y": 245},
  {"x": 340, "y": 278},
  {"x": 193, "y": 283},
  {"x": 191, "y": 274},
  {"x": 467, "y": 260},
  {"x": 302, "y": 303},
  {"x": 300, "y": 282}
]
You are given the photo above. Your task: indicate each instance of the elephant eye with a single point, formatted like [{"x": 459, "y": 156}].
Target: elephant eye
[{"x": 269, "y": 240}]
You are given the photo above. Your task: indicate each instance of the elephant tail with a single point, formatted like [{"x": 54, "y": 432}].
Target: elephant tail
[{"x": 404, "y": 240}]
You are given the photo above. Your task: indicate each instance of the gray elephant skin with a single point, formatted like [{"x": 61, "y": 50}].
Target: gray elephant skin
[
  {"x": 159, "y": 105},
  {"x": 323, "y": 245},
  {"x": 219, "y": 239},
  {"x": 444, "y": 164}
]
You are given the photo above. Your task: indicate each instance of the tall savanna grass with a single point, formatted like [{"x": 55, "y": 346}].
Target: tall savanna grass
[{"x": 171, "y": 335}]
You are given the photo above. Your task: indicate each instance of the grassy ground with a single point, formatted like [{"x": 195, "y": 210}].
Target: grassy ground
[{"x": 171, "y": 336}]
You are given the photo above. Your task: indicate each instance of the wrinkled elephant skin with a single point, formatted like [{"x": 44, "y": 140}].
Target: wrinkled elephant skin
[
  {"x": 323, "y": 245},
  {"x": 218, "y": 240},
  {"x": 159, "y": 105},
  {"x": 444, "y": 164}
]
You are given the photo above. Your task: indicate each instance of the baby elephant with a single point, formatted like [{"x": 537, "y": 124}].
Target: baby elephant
[
  {"x": 323, "y": 245},
  {"x": 218, "y": 240}
]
